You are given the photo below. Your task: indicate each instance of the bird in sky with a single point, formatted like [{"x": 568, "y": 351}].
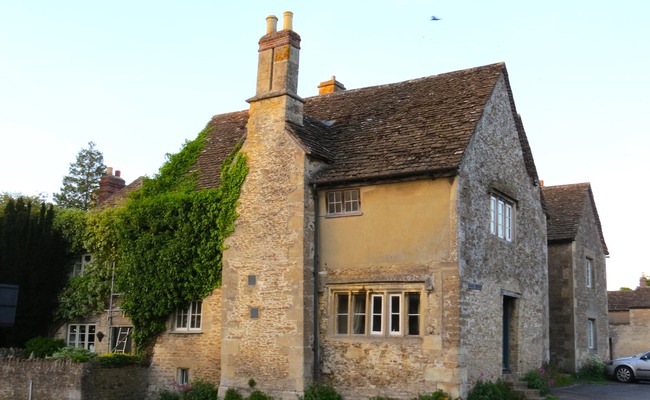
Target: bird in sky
[{"x": 434, "y": 18}]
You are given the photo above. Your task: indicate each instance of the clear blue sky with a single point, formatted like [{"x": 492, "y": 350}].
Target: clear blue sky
[{"x": 138, "y": 78}]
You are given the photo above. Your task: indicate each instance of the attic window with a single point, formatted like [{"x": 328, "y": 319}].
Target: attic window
[{"x": 343, "y": 202}]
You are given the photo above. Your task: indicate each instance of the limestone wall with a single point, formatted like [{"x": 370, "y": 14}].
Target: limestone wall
[
  {"x": 562, "y": 304},
  {"x": 590, "y": 302},
  {"x": 493, "y": 270},
  {"x": 631, "y": 338},
  {"x": 199, "y": 352},
  {"x": 267, "y": 280},
  {"x": 65, "y": 380}
]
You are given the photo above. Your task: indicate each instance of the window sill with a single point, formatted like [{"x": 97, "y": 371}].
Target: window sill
[
  {"x": 375, "y": 338},
  {"x": 185, "y": 332},
  {"x": 342, "y": 215}
]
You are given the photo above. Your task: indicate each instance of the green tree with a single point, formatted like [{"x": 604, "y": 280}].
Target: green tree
[
  {"x": 81, "y": 185},
  {"x": 33, "y": 255}
]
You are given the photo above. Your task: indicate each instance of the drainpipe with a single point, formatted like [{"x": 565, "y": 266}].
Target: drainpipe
[{"x": 315, "y": 344}]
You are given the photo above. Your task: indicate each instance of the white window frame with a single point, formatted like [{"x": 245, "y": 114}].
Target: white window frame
[
  {"x": 395, "y": 314},
  {"x": 502, "y": 217},
  {"x": 81, "y": 335},
  {"x": 183, "y": 376},
  {"x": 591, "y": 334},
  {"x": 343, "y": 202},
  {"x": 377, "y": 315},
  {"x": 80, "y": 266},
  {"x": 589, "y": 272},
  {"x": 188, "y": 319},
  {"x": 381, "y": 312}
]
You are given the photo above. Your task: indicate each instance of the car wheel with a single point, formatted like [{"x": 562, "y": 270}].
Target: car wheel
[{"x": 624, "y": 374}]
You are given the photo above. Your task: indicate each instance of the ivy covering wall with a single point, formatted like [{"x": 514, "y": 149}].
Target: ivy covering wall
[{"x": 165, "y": 243}]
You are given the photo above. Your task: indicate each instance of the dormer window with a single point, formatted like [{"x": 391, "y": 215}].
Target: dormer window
[
  {"x": 343, "y": 202},
  {"x": 502, "y": 217}
]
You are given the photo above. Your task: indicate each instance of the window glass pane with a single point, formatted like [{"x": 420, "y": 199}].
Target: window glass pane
[
  {"x": 395, "y": 313},
  {"x": 500, "y": 219},
  {"x": 413, "y": 300},
  {"x": 377, "y": 306},
  {"x": 334, "y": 203},
  {"x": 493, "y": 215},
  {"x": 359, "y": 321},
  {"x": 351, "y": 200},
  {"x": 342, "y": 314},
  {"x": 508, "y": 223}
]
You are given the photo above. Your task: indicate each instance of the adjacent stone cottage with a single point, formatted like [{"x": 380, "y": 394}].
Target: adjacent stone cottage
[
  {"x": 629, "y": 320},
  {"x": 577, "y": 276}
]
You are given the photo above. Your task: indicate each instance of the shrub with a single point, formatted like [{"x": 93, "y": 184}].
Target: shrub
[
  {"x": 118, "y": 359},
  {"x": 437, "y": 395},
  {"x": 592, "y": 370},
  {"x": 488, "y": 390},
  {"x": 321, "y": 391},
  {"x": 76, "y": 354},
  {"x": 540, "y": 379},
  {"x": 202, "y": 390},
  {"x": 43, "y": 347},
  {"x": 233, "y": 394},
  {"x": 197, "y": 390},
  {"x": 257, "y": 395}
]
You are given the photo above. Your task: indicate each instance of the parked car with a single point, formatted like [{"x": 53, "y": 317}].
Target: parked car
[{"x": 628, "y": 369}]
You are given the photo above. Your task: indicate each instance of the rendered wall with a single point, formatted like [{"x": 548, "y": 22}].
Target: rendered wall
[{"x": 405, "y": 237}]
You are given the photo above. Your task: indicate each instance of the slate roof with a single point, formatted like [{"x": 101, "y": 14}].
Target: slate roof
[
  {"x": 419, "y": 127},
  {"x": 565, "y": 205},
  {"x": 623, "y": 300}
]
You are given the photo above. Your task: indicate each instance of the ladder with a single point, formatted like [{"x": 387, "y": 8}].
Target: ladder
[
  {"x": 121, "y": 339},
  {"x": 118, "y": 339}
]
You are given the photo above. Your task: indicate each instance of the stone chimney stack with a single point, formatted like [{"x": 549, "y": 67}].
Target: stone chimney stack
[
  {"x": 277, "y": 68},
  {"x": 267, "y": 292},
  {"x": 109, "y": 184},
  {"x": 330, "y": 86}
]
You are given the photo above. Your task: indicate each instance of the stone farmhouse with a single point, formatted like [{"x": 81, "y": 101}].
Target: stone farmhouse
[
  {"x": 629, "y": 319},
  {"x": 387, "y": 241},
  {"x": 577, "y": 276}
]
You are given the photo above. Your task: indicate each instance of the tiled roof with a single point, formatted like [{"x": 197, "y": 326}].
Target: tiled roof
[
  {"x": 411, "y": 128},
  {"x": 227, "y": 131},
  {"x": 565, "y": 204},
  {"x": 623, "y": 300}
]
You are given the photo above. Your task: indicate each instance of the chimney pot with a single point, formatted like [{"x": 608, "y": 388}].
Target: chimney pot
[
  {"x": 288, "y": 21},
  {"x": 271, "y": 24},
  {"x": 109, "y": 171},
  {"x": 118, "y": 173},
  {"x": 643, "y": 281}
]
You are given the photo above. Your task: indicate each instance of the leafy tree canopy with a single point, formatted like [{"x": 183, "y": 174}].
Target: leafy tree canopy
[{"x": 81, "y": 185}]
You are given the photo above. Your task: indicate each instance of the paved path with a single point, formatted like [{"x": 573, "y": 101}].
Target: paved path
[{"x": 604, "y": 391}]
